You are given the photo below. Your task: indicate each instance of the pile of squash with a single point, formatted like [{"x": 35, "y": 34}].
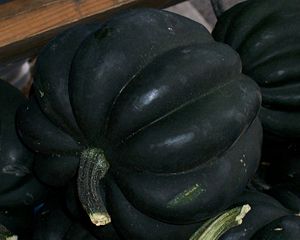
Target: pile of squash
[{"x": 148, "y": 127}]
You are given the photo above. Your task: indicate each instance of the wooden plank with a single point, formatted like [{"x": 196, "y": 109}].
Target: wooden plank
[{"x": 26, "y": 25}]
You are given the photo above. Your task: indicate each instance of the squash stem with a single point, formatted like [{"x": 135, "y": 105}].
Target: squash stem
[
  {"x": 5, "y": 234},
  {"x": 92, "y": 168},
  {"x": 214, "y": 228}
]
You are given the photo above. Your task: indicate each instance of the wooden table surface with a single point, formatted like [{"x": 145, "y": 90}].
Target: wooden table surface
[{"x": 26, "y": 25}]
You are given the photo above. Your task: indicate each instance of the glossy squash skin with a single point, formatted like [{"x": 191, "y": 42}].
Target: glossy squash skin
[
  {"x": 265, "y": 212},
  {"x": 266, "y": 34},
  {"x": 155, "y": 100},
  {"x": 18, "y": 186}
]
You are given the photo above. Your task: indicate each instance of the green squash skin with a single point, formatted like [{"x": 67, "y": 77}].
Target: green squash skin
[
  {"x": 266, "y": 34},
  {"x": 57, "y": 104},
  {"x": 104, "y": 54},
  {"x": 145, "y": 188},
  {"x": 132, "y": 224},
  {"x": 284, "y": 228},
  {"x": 18, "y": 185},
  {"x": 151, "y": 118},
  {"x": 264, "y": 209}
]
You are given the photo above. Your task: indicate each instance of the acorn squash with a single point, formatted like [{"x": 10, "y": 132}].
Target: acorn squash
[
  {"x": 18, "y": 185},
  {"x": 149, "y": 105},
  {"x": 266, "y": 34}
]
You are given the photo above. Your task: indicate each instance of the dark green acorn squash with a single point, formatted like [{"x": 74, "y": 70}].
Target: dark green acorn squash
[
  {"x": 265, "y": 213},
  {"x": 149, "y": 104},
  {"x": 266, "y": 34},
  {"x": 18, "y": 186}
]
